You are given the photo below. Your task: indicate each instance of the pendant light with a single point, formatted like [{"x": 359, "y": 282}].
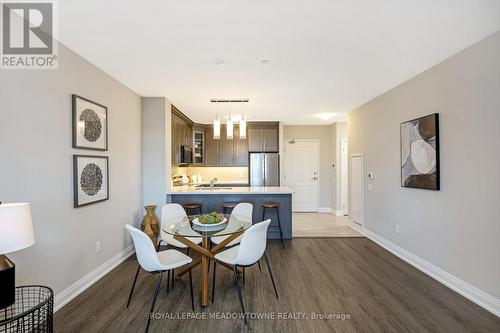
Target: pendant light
[
  {"x": 243, "y": 127},
  {"x": 229, "y": 128},
  {"x": 216, "y": 125}
]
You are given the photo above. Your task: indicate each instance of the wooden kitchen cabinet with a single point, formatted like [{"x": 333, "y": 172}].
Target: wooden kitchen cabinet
[
  {"x": 270, "y": 139},
  {"x": 211, "y": 152},
  {"x": 226, "y": 149},
  {"x": 182, "y": 133},
  {"x": 263, "y": 137},
  {"x": 254, "y": 138},
  {"x": 240, "y": 150}
]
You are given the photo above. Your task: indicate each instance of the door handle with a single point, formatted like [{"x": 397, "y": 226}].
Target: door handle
[{"x": 314, "y": 178}]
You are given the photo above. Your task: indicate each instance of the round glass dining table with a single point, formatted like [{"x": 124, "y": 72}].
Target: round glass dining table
[{"x": 183, "y": 228}]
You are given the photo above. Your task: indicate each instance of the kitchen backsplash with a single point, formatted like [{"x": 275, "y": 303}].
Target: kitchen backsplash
[{"x": 231, "y": 174}]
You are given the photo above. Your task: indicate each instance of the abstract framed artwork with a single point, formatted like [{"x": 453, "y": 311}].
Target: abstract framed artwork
[
  {"x": 420, "y": 153},
  {"x": 90, "y": 124},
  {"x": 90, "y": 179}
]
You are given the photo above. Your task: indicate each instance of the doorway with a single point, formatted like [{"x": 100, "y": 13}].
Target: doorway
[
  {"x": 301, "y": 173},
  {"x": 357, "y": 196}
]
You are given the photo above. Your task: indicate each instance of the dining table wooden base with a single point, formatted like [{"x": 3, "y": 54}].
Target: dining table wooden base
[{"x": 205, "y": 255}]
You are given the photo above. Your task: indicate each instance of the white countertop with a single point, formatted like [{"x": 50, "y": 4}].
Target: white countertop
[{"x": 234, "y": 190}]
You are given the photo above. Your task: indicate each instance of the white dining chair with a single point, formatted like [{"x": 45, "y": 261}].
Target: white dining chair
[
  {"x": 172, "y": 213},
  {"x": 251, "y": 249},
  {"x": 156, "y": 263},
  {"x": 242, "y": 211}
]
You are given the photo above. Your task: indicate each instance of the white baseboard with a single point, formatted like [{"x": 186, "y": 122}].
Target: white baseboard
[
  {"x": 65, "y": 296},
  {"x": 325, "y": 210},
  {"x": 339, "y": 213},
  {"x": 465, "y": 289}
]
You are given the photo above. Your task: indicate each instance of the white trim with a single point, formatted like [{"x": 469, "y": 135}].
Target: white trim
[
  {"x": 325, "y": 210},
  {"x": 465, "y": 289},
  {"x": 362, "y": 187},
  {"x": 338, "y": 213},
  {"x": 65, "y": 296}
]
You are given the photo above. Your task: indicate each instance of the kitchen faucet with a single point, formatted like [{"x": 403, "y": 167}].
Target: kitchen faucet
[{"x": 212, "y": 182}]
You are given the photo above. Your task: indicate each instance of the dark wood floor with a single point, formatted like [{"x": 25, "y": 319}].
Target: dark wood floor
[{"x": 354, "y": 276}]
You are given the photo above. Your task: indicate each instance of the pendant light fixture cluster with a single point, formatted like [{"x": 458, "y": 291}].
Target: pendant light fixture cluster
[{"x": 229, "y": 123}]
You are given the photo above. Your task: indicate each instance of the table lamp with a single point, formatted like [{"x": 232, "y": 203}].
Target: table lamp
[{"x": 16, "y": 233}]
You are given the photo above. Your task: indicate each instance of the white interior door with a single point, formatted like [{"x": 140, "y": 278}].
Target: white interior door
[
  {"x": 357, "y": 189},
  {"x": 302, "y": 173}
]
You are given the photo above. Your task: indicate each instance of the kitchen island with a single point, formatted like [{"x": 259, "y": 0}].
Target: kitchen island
[{"x": 212, "y": 200}]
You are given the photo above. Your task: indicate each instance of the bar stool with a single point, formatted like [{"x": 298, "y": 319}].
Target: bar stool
[
  {"x": 228, "y": 205},
  {"x": 192, "y": 206},
  {"x": 273, "y": 205}
]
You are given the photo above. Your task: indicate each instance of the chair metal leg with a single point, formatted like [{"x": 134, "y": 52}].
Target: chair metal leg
[
  {"x": 168, "y": 281},
  {"x": 213, "y": 282},
  {"x": 173, "y": 278},
  {"x": 279, "y": 226},
  {"x": 158, "y": 246},
  {"x": 258, "y": 263},
  {"x": 271, "y": 273},
  {"x": 263, "y": 213},
  {"x": 191, "y": 287},
  {"x": 154, "y": 300},
  {"x": 133, "y": 285},
  {"x": 237, "y": 282},
  {"x": 187, "y": 251},
  {"x": 243, "y": 277}
]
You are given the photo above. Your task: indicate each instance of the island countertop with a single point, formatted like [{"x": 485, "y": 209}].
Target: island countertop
[{"x": 233, "y": 190}]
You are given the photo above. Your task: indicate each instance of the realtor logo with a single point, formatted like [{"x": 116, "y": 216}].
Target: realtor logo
[{"x": 28, "y": 35}]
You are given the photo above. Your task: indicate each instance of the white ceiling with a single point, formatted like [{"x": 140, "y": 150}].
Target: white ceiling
[{"x": 324, "y": 56}]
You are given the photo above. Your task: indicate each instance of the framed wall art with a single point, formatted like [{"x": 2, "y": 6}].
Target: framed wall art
[
  {"x": 90, "y": 124},
  {"x": 90, "y": 179},
  {"x": 420, "y": 153}
]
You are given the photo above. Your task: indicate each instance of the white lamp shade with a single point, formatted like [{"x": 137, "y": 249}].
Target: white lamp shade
[
  {"x": 229, "y": 129},
  {"x": 16, "y": 227},
  {"x": 217, "y": 129},
  {"x": 243, "y": 129}
]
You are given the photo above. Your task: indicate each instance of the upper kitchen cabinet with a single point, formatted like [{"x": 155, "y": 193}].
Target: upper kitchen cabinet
[
  {"x": 263, "y": 137},
  {"x": 226, "y": 148},
  {"x": 240, "y": 149},
  {"x": 198, "y": 145},
  {"x": 211, "y": 151},
  {"x": 182, "y": 133}
]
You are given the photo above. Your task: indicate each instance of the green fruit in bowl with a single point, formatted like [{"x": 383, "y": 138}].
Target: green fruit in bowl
[{"x": 214, "y": 214}]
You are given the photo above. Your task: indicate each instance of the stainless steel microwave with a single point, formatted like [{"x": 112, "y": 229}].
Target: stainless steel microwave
[{"x": 185, "y": 155}]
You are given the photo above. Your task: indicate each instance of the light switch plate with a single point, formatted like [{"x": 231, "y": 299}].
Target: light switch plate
[{"x": 370, "y": 187}]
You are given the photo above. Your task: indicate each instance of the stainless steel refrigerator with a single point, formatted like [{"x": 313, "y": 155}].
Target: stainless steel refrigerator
[{"x": 264, "y": 169}]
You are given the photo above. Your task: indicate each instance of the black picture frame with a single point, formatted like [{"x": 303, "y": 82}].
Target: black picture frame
[
  {"x": 427, "y": 184},
  {"x": 75, "y": 120},
  {"x": 76, "y": 180}
]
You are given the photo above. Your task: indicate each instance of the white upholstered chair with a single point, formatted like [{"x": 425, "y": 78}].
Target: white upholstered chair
[
  {"x": 251, "y": 248},
  {"x": 156, "y": 263}
]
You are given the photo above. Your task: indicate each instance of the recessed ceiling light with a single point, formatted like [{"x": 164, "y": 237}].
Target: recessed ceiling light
[
  {"x": 264, "y": 61},
  {"x": 219, "y": 62}
]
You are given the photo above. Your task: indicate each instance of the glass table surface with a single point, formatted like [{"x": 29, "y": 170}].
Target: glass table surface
[{"x": 183, "y": 226}]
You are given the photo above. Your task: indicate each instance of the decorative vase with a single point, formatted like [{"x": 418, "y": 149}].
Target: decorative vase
[{"x": 150, "y": 224}]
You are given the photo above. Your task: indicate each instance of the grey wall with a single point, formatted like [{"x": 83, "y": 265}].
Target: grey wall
[
  {"x": 457, "y": 228},
  {"x": 156, "y": 132},
  {"x": 327, "y": 151},
  {"x": 36, "y": 167}
]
